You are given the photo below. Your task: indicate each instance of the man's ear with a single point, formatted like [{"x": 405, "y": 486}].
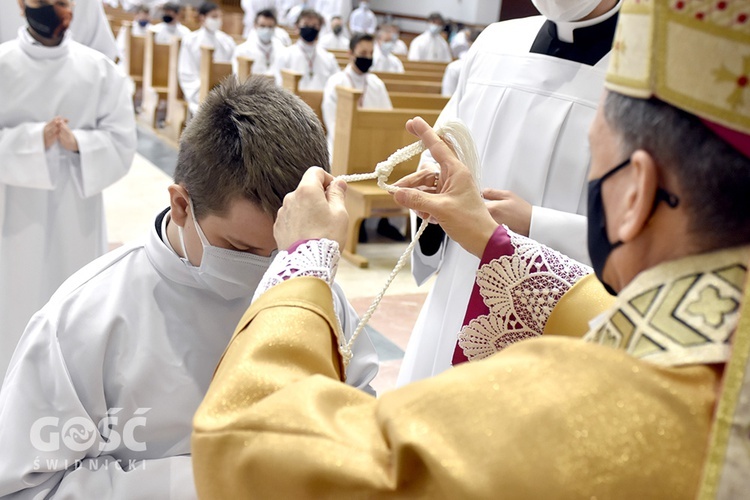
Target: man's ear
[
  {"x": 179, "y": 204},
  {"x": 638, "y": 196}
]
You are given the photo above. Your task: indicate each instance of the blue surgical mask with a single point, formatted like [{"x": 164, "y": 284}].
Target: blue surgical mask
[{"x": 230, "y": 273}]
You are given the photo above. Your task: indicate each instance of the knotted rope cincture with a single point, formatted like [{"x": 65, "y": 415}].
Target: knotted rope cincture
[{"x": 457, "y": 135}]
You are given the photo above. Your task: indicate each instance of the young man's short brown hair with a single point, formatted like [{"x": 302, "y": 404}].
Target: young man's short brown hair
[
  {"x": 310, "y": 14},
  {"x": 253, "y": 140}
]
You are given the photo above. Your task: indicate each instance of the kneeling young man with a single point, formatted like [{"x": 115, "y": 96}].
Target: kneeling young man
[{"x": 99, "y": 399}]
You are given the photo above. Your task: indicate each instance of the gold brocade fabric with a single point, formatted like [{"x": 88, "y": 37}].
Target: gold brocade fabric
[
  {"x": 681, "y": 312},
  {"x": 552, "y": 417}
]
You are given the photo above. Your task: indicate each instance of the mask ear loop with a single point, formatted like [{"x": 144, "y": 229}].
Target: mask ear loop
[{"x": 456, "y": 135}]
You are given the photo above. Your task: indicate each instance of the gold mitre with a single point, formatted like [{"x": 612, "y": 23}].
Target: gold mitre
[{"x": 692, "y": 54}]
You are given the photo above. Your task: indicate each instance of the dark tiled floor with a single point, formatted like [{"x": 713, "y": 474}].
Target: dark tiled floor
[{"x": 156, "y": 151}]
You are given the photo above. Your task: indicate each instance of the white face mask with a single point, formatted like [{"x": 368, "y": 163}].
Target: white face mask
[
  {"x": 265, "y": 34},
  {"x": 229, "y": 273},
  {"x": 435, "y": 29},
  {"x": 565, "y": 10},
  {"x": 212, "y": 24},
  {"x": 387, "y": 47}
]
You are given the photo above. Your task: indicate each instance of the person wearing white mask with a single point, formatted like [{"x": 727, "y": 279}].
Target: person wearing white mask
[
  {"x": 261, "y": 46},
  {"x": 132, "y": 340},
  {"x": 383, "y": 58},
  {"x": 306, "y": 56},
  {"x": 335, "y": 39},
  {"x": 400, "y": 48},
  {"x": 251, "y": 9},
  {"x": 89, "y": 26},
  {"x": 363, "y": 20},
  {"x": 170, "y": 26},
  {"x": 430, "y": 45},
  {"x": 527, "y": 91},
  {"x": 453, "y": 70},
  {"x": 189, "y": 61}
]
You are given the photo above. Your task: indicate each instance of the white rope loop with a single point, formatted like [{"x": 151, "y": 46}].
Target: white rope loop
[{"x": 457, "y": 135}]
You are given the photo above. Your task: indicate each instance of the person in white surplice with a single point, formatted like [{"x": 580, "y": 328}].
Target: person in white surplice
[
  {"x": 430, "y": 45},
  {"x": 356, "y": 75},
  {"x": 189, "y": 61},
  {"x": 170, "y": 26},
  {"x": 67, "y": 131},
  {"x": 261, "y": 45},
  {"x": 363, "y": 19},
  {"x": 131, "y": 341},
  {"x": 307, "y": 56},
  {"x": 528, "y": 92},
  {"x": 383, "y": 57},
  {"x": 335, "y": 39},
  {"x": 89, "y": 26}
]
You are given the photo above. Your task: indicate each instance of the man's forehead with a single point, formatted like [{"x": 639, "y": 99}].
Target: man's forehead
[{"x": 41, "y": 3}]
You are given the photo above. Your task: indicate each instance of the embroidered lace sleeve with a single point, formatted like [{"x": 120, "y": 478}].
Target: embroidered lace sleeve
[
  {"x": 318, "y": 258},
  {"x": 518, "y": 284}
]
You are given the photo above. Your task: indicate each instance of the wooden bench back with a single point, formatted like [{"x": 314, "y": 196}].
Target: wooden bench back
[
  {"x": 313, "y": 98},
  {"x": 365, "y": 137},
  {"x": 211, "y": 73},
  {"x": 155, "y": 63},
  {"x": 417, "y": 87}
]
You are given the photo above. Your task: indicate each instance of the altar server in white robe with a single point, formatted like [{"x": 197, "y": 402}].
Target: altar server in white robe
[
  {"x": 89, "y": 27},
  {"x": 528, "y": 92},
  {"x": 336, "y": 38},
  {"x": 316, "y": 64},
  {"x": 132, "y": 339},
  {"x": 67, "y": 131},
  {"x": 430, "y": 45},
  {"x": 261, "y": 45},
  {"x": 251, "y": 9},
  {"x": 170, "y": 26},
  {"x": 356, "y": 75},
  {"x": 383, "y": 58},
  {"x": 189, "y": 61},
  {"x": 363, "y": 19}
]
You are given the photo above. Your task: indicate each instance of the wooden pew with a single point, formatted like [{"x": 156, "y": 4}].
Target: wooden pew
[
  {"x": 211, "y": 73},
  {"x": 363, "y": 138},
  {"x": 313, "y": 98},
  {"x": 176, "y": 105},
  {"x": 409, "y": 100},
  {"x": 245, "y": 69},
  {"x": 135, "y": 46},
  {"x": 419, "y": 87},
  {"x": 423, "y": 76},
  {"x": 155, "y": 78}
]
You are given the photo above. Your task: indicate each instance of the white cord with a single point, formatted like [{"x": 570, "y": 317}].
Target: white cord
[{"x": 458, "y": 136}]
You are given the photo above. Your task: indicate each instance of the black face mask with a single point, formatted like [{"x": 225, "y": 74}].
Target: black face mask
[
  {"x": 363, "y": 63},
  {"x": 337, "y": 30},
  {"x": 44, "y": 20},
  {"x": 308, "y": 33},
  {"x": 167, "y": 19},
  {"x": 598, "y": 242}
]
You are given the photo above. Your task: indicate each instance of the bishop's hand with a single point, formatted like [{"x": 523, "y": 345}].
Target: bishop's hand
[
  {"x": 314, "y": 210},
  {"x": 457, "y": 205}
]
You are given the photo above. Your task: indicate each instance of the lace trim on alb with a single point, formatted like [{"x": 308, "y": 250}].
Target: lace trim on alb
[
  {"x": 520, "y": 290},
  {"x": 317, "y": 258}
]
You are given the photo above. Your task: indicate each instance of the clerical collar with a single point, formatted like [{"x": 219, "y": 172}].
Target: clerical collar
[
  {"x": 565, "y": 29},
  {"x": 591, "y": 40},
  {"x": 32, "y": 47}
]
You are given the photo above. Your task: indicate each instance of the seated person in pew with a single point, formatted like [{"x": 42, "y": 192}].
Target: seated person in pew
[
  {"x": 375, "y": 96},
  {"x": 363, "y": 19},
  {"x": 315, "y": 63},
  {"x": 453, "y": 69},
  {"x": 126, "y": 348},
  {"x": 141, "y": 24},
  {"x": 170, "y": 26},
  {"x": 400, "y": 49},
  {"x": 383, "y": 55},
  {"x": 335, "y": 39},
  {"x": 430, "y": 45},
  {"x": 189, "y": 62},
  {"x": 261, "y": 45}
]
